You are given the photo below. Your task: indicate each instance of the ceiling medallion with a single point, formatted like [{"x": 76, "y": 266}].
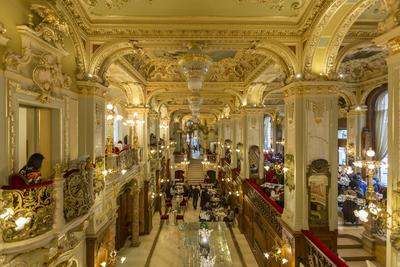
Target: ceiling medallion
[{"x": 194, "y": 65}]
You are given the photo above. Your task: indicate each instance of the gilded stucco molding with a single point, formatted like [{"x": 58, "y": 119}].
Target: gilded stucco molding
[{"x": 312, "y": 88}]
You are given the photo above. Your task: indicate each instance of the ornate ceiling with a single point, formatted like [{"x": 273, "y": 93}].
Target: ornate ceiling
[
  {"x": 288, "y": 10},
  {"x": 256, "y": 46},
  {"x": 228, "y": 65}
]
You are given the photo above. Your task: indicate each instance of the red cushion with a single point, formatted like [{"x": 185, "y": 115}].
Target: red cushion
[
  {"x": 179, "y": 217},
  {"x": 164, "y": 216},
  {"x": 25, "y": 186},
  {"x": 16, "y": 180}
]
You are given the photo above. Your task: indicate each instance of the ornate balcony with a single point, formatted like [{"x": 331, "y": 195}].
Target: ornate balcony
[
  {"x": 30, "y": 211},
  {"x": 26, "y": 211}
]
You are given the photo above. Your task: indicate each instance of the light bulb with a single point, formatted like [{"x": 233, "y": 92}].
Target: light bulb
[
  {"x": 110, "y": 117},
  {"x": 266, "y": 168},
  {"x": 266, "y": 254},
  {"x": 119, "y": 117},
  {"x": 105, "y": 172},
  {"x": 284, "y": 261},
  {"x": 123, "y": 259},
  {"x": 285, "y": 169},
  {"x": 103, "y": 264},
  {"x": 123, "y": 172},
  {"x": 110, "y": 106},
  {"x": 370, "y": 153},
  {"x": 21, "y": 222}
]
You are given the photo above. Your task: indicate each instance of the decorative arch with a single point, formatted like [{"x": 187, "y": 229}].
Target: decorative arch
[
  {"x": 280, "y": 54},
  {"x": 329, "y": 31},
  {"x": 106, "y": 54}
]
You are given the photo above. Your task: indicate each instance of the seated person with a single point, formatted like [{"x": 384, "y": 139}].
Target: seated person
[
  {"x": 275, "y": 193},
  {"x": 230, "y": 216},
  {"x": 31, "y": 171}
]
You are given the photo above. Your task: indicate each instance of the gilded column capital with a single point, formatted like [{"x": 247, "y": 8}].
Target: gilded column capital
[
  {"x": 390, "y": 40},
  {"x": 253, "y": 110},
  {"x": 91, "y": 88},
  {"x": 313, "y": 88}
]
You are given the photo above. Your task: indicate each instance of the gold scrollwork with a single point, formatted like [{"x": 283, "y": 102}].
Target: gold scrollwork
[
  {"x": 77, "y": 194},
  {"x": 26, "y": 213}
]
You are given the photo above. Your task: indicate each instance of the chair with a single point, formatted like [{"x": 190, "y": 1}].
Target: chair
[
  {"x": 164, "y": 217},
  {"x": 179, "y": 217}
]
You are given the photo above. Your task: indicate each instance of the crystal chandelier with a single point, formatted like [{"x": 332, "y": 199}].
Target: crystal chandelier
[{"x": 195, "y": 65}]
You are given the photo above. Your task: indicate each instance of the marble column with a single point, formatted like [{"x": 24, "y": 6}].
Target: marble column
[
  {"x": 391, "y": 39},
  {"x": 253, "y": 135},
  {"x": 356, "y": 121},
  {"x": 311, "y": 118},
  {"x": 135, "y": 220},
  {"x": 91, "y": 124},
  {"x": 235, "y": 117}
]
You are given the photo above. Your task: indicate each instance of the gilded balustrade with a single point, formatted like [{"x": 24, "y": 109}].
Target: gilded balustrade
[
  {"x": 78, "y": 193},
  {"x": 26, "y": 212},
  {"x": 269, "y": 210},
  {"x": 317, "y": 254}
]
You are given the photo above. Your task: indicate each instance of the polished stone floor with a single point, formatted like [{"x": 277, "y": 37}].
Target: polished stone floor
[{"x": 168, "y": 247}]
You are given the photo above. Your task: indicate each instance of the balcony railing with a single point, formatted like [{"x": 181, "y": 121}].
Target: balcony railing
[
  {"x": 270, "y": 210},
  {"x": 32, "y": 210},
  {"x": 317, "y": 254},
  {"x": 27, "y": 211}
]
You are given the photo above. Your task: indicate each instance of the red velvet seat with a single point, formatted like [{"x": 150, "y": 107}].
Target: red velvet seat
[
  {"x": 179, "y": 217},
  {"x": 164, "y": 217}
]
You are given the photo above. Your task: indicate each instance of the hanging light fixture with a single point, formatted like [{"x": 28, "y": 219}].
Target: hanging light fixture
[{"x": 195, "y": 65}]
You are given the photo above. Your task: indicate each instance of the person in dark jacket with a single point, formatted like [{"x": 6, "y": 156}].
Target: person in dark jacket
[
  {"x": 204, "y": 198},
  {"x": 31, "y": 171},
  {"x": 195, "y": 196}
]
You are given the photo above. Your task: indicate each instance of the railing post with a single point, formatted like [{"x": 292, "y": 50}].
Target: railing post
[{"x": 59, "y": 220}]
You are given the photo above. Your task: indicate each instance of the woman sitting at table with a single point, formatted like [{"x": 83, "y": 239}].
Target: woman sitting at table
[{"x": 31, "y": 171}]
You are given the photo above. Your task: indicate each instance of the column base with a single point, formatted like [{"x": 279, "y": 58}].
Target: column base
[{"x": 135, "y": 243}]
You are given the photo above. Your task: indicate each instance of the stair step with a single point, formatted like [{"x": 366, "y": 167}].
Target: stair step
[
  {"x": 355, "y": 254},
  {"x": 344, "y": 242}
]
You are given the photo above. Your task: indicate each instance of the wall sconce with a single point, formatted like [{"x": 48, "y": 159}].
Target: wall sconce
[{"x": 112, "y": 261}]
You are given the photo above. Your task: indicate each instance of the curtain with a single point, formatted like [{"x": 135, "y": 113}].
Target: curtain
[{"x": 381, "y": 126}]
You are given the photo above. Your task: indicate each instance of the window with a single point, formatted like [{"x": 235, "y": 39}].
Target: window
[
  {"x": 381, "y": 134},
  {"x": 267, "y": 133},
  {"x": 342, "y": 134},
  {"x": 342, "y": 156}
]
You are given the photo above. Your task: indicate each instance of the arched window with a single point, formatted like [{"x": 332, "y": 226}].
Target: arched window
[
  {"x": 381, "y": 133},
  {"x": 267, "y": 132}
]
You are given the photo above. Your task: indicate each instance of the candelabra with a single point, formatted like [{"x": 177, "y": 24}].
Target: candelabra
[
  {"x": 113, "y": 259},
  {"x": 277, "y": 254},
  {"x": 133, "y": 123},
  {"x": 373, "y": 209}
]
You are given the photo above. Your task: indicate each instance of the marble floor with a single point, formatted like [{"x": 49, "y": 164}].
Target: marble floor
[{"x": 167, "y": 243}]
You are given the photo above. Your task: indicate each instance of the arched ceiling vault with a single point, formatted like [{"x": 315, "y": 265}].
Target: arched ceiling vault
[{"x": 327, "y": 36}]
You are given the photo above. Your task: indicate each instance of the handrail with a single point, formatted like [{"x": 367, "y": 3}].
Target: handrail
[
  {"x": 317, "y": 247},
  {"x": 268, "y": 209},
  {"x": 256, "y": 187}
]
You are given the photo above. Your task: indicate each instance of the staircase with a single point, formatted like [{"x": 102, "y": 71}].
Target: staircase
[
  {"x": 195, "y": 175},
  {"x": 351, "y": 250}
]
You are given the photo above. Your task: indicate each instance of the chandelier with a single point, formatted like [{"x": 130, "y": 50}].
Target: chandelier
[{"x": 195, "y": 65}]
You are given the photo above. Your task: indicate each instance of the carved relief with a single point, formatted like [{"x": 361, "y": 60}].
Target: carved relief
[
  {"x": 78, "y": 198},
  {"x": 290, "y": 112},
  {"x": 318, "y": 109},
  {"x": 47, "y": 75},
  {"x": 289, "y": 175},
  {"x": 51, "y": 28}
]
